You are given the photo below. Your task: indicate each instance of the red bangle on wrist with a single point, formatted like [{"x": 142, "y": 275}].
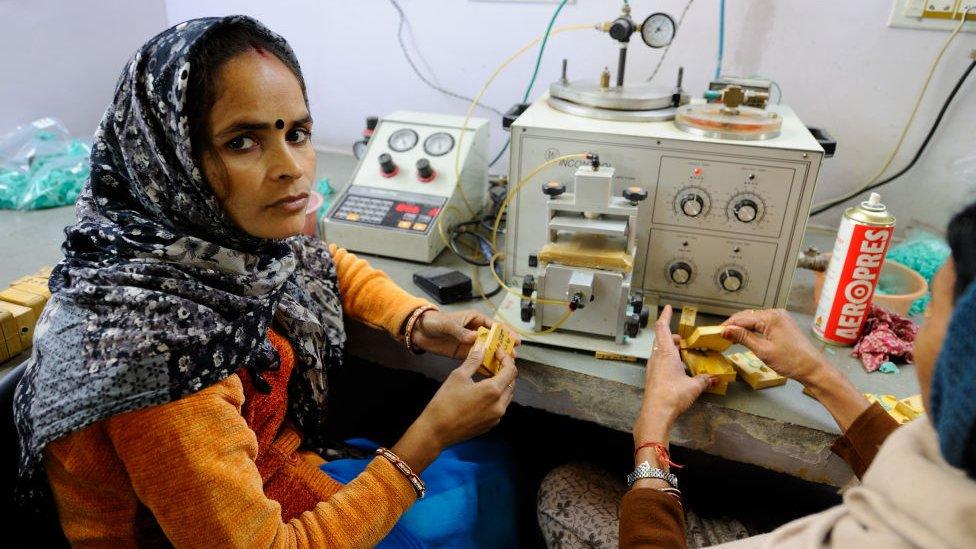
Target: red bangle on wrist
[{"x": 662, "y": 453}]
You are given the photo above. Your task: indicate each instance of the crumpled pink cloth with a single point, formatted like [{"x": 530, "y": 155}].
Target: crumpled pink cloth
[{"x": 886, "y": 335}]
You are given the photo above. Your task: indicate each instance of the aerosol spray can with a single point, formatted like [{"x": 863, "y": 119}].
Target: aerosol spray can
[{"x": 855, "y": 265}]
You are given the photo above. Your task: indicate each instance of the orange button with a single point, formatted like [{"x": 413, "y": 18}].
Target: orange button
[
  {"x": 353, "y": 217},
  {"x": 420, "y": 226},
  {"x": 404, "y": 225}
]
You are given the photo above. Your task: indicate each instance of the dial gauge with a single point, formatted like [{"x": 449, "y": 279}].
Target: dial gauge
[
  {"x": 658, "y": 30},
  {"x": 403, "y": 140},
  {"x": 438, "y": 144}
]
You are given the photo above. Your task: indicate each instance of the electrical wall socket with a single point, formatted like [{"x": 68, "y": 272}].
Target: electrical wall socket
[{"x": 932, "y": 14}]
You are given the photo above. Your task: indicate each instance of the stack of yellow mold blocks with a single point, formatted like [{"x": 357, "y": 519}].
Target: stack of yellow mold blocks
[
  {"x": 20, "y": 307},
  {"x": 494, "y": 338},
  {"x": 701, "y": 350},
  {"x": 904, "y": 410}
]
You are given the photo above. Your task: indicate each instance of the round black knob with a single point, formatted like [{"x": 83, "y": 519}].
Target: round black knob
[
  {"x": 622, "y": 28},
  {"x": 528, "y": 285},
  {"x": 731, "y": 280},
  {"x": 746, "y": 210},
  {"x": 635, "y": 194},
  {"x": 526, "y": 310},
  {"x": 692, "y": 204},
  {"x": 387, "y": 166},
  {"x": 371, "y": 122},
  {"x": 632, "y": 325},
  {"x": 645, "y": 317},
  {"x": 637, "y": 303},
  {"x": 680, "y": 272},
  {"x": 553, "y": 189},
  {"x": 424, "y": 171}
]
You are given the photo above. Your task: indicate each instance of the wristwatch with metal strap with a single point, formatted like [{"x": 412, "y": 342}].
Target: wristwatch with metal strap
[{"x": 644, "y": 470}]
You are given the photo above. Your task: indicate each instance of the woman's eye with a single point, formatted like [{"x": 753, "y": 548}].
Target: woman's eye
[
  {"x": 298, "y": 136},
  {"x": 241, "y": 143}
]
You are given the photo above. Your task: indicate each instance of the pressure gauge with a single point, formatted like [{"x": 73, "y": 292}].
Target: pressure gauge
[
  {"x": 403, "y": 140},
  {"x": 657, "y": 30},
  {"x": 438, "y": 144}
]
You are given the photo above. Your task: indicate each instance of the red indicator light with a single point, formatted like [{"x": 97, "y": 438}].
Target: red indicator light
[{"x": 696, "y": 172}]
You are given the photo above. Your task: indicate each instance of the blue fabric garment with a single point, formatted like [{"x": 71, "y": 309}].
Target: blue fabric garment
[
  {"x": 953, "y": 397},
  {"x": 470, "y": 499}
]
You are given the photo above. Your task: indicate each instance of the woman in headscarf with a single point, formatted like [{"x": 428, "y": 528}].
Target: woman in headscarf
[
  {"x": 918, "y": 481},
  {"x": 177, "y": 388}
]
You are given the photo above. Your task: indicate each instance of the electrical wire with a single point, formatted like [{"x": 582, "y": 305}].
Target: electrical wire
[
  {"x": 535, "y": 73},
  {"x": 831, "y": 202},
  {"x": 668, "y": 47},
  {"x": 416, "y": 70},
  {"x": 721, "y": 39},
  {"x": 484, "y": 87},
  {"x": 500, "y": 153},
  {"x": 928, "y": 137}
]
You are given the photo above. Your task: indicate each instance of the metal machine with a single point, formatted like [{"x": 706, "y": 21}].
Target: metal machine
[
  {"x": 588, "y": 258},
  {"x": 405, "y": 183},
  {"x": 728, "y": 187}
]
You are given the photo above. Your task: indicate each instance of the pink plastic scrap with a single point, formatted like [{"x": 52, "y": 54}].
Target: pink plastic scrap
[{"x": 886, "y": 335}]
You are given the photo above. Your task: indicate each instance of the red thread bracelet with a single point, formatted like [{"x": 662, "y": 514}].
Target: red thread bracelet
[{"x": 662, "y": 453}]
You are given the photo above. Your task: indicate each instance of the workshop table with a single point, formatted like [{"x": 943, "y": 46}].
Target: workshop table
[{"x": 777, "y": 428}]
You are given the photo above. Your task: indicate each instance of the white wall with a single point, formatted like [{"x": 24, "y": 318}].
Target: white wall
[
  {"x": 63, "y": 58},
  {"x": 838, "y": 63}
]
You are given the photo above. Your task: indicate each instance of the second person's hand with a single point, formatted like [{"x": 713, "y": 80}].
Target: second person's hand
[
  {"x": 777, "y": 340},
  {"x": 668, "y": 390}
]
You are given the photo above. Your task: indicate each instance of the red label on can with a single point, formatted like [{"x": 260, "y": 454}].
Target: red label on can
[{"x": 850, "y": 281}]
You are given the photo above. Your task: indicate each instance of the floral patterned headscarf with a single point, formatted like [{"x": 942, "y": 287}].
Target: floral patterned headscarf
[{"x": 160, "y": 294}]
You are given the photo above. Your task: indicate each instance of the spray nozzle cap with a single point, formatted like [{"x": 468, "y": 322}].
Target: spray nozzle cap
[{"x": 873, "y": 203}]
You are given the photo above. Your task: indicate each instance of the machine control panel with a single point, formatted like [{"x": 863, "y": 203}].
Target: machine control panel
[
  {"x": 382, "y": 208},
  {"x": 738, "y": 197},
  {"x": 416, "y": 169},
  {"x": 716, "y": 268}
]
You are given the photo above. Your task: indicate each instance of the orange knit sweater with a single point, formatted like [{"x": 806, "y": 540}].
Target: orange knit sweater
[{"x": 222, "y": 467}]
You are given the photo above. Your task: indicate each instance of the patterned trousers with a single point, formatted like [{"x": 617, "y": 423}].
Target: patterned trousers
[{"x": 579, "y": 507}]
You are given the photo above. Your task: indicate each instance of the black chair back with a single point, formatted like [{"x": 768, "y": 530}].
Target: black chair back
[{"x": 21, "y": 529}]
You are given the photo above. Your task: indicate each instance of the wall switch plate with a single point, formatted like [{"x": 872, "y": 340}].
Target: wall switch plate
[{"x": 932, "y": 14}]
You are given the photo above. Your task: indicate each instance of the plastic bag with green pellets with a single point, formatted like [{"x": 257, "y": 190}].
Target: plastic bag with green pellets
[
  {"x": 41, "y": 166},
  {"x": 924, "y": 253}
]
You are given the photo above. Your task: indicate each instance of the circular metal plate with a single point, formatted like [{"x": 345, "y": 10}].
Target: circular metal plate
[
  {"x": 711, "y": 120},
  {"x": 626, "y": 98},
  {"x": 656, "y": 115}
]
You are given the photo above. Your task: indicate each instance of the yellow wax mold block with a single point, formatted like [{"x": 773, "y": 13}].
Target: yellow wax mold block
[
  {"x": 9, "y": 336},
  {"x": 754, "y": 371},
  {"x": 906, "y": 410},
  {"x": 686, "y": 324},
  {"x": 44, "y": 271},
  {"x": 606, "y": 355},
  {"x": 708, "y": 337},
  {"x": 33, "y": 287},
  {"x": 719, "y": 388},
  {"x": 915, "y": 403},
  {"x": 594, "y": 251},
  {"x": 900, "y": 411},
  {"x": 712, "y": 363},
  {"x": 27, "y": 299},
  {"x": 24, "y": 319},
  {"x": 494, "y": 338}
]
